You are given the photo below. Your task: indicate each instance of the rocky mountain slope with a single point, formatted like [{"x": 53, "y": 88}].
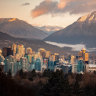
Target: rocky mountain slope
[
  {"x": 20, "y": 29},
  {"x": 83, "y": 31}
]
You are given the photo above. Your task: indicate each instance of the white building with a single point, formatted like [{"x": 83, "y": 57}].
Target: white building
[
  {"x": 74, "y": 68},
  {"x": 90, "y": 67}
]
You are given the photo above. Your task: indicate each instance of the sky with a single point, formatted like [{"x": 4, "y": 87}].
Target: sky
[{"x": 46, "y": 12}]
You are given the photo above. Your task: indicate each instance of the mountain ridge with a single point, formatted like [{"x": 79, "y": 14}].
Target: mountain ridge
[
  {"x": 7, "y": 40},
  {"x": 78, "y": 32},
  {"x": 20, "y": 29},
  {"x": 50, "y": 29}
]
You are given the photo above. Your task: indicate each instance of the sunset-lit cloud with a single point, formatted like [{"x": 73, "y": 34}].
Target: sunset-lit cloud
[
  {"x": 50, "y": 12},
  {"x": 45, "y": 7},
  {"x": 63, "y": 3},
  {"x": 70, "y": 6}
]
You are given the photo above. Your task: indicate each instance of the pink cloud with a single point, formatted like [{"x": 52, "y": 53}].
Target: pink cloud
[
  {"x": 71, "y": 6},
  {"x": 45, "y": 7}
]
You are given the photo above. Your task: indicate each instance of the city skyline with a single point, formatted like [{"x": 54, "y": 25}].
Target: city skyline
[
  {"x": 48, "y": 47},
  {"x": 46, "y": 12},
  {"x": 18, "y": 57}
]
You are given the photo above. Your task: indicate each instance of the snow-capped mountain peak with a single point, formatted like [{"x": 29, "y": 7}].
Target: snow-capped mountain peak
[
  {"x": 89, "y": 18},
  {"x": 82, "y": 19}
]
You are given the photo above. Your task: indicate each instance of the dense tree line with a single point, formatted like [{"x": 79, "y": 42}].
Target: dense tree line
[{"x": 48, "y": 83}]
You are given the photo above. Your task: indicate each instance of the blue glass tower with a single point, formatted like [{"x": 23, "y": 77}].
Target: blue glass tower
[
  {"x": 51, "y": 65},
  {"x": 80, "y": 66},
  {"x": 38, "y": 64}
]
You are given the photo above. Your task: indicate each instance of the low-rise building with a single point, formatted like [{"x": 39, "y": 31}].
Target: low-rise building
[{"x": 90, "y": 67}]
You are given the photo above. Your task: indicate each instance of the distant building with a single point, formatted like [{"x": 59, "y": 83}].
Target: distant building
[
  {"x": 14, "y": 48},
  {"x": 56, "y": 57},
  {"x": 2, "y": 61},
  {"x": 42, "y": 52},
  {"x": 90, "y": 68},
  {"x": 21, "y": 50},
  {"x": 52, "y": 57},
  {"x": 29, "y": 51},
  {"x": 66, "y": 68},
  {"x": 58, "y": 67},
  {"x": 2, "y": 66},
  {"x": 82, "y": 55},
  {"x": 86, "y": 58},
  {"x": 10, "y": 64},
  {"x": 51, "y": 65},
  {"x": 74, "y": 68},
  {"x": 7, "y": 51},
  {"x": 48, "y": 53},
  {"x": 24, "y": 62},
  {"x": 80, "y": 66},
  {"x": 72, "y": 59},
  {"x": 38, "y": 64}
]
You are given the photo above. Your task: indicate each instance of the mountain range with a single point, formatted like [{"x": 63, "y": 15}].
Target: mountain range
[
  {"x": 83, "y": 31},
  {"x": 7, "y": 40},
  {"x": 50, "y": 29},
  {"x": 20, "y": 29}
]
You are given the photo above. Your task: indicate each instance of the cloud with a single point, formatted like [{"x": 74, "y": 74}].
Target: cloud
[
  {"x": 76, "y": 47},
  {"x": 45, "y": 7},
  {"x": 62, "y": 4},
  {"x": 71, "y": 6},
  {"x": 25, "y": 4},
  {"x": 80, "y": 6}
]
